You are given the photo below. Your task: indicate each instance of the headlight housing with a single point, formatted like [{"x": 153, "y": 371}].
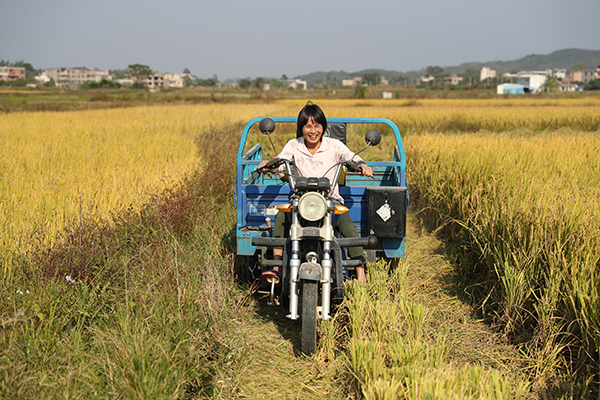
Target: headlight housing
[{"x": 312, "y": 206}]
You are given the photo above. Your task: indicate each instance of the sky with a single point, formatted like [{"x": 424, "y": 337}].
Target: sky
[{"x": 268, "y": 38}]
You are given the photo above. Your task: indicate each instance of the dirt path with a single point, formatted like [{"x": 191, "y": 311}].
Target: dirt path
[
  {"x": 272, "y": 366},
  {"x": 431, "y": 280}
]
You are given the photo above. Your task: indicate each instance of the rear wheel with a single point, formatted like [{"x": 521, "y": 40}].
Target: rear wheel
[{"x": 309, "y": 317}]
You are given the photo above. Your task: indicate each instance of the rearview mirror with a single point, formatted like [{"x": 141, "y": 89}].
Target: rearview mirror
[
  {"x": 373, "y": 137},
  {"x": 266, "y": 126}
]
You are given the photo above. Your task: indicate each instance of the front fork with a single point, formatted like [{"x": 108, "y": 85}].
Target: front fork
[{"x": 326, "y": 266}]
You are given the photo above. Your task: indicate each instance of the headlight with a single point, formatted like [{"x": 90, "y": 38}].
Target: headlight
[{"x": 312, "y": 206}]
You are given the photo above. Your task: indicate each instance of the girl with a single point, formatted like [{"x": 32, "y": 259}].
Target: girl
[{"x": 313, "y": 156}]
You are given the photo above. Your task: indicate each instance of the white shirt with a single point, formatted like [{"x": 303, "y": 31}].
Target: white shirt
[{"x": 331, "y": 152}]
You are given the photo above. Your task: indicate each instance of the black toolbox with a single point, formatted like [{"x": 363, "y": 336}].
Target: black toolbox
[{"x": 386, "y": 211}]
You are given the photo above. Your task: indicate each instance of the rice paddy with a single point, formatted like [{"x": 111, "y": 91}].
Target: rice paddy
[{"x": 511, "y": 183}]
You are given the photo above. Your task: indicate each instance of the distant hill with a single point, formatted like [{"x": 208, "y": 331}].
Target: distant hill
[
  {"x": 535, "y": 62},
  {"x": 565, "y": 58}
]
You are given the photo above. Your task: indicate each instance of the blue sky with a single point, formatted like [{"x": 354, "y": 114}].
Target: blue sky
[{"x": 267, "y": 38}]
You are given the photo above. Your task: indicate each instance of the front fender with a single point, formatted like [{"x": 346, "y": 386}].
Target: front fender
[{"x": 309, "y": 272}]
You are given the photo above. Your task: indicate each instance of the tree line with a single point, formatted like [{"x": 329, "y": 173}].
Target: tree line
[{"x": 137, "y": 71}]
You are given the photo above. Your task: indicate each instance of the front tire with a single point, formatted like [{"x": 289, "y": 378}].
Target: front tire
[{"x": 309, "y": 317}]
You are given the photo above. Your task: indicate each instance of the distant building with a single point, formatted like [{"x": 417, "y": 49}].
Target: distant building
[
  {"x": 568, "y": 87},
  {"x": 387, "y": 95},
  {"x": 424, "y": 79},
  {"x": 295, "y": 83},
  {"x": 487, "y": 73},
  {"x": 532, "y": 82},
  {"x": 42, "y": 78},
  {"x": 126, "y": 82},
  {"x": 545, "y": 72},
  {"x": 173, "y": 81},
  {"x": 154, "y": 81},
  {"x": 11, "y": 73},
  {"x": 79, "y": 76},
  {"x": 73, "y": 77},
  {"x": 357, "y": 80},
  {"x": 590, "y": 74},
  {"x": 510, "y": 88},
  {"x": 453, "y": 80},
  {"x": 96, "y": 75},
  {"x": 189, "y": 78},
  {"x": 574, "y": 76},
  {"x": 560, "y": 73}
]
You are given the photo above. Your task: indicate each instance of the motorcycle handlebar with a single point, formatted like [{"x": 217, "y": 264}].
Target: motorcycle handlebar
[
  {"x": 272, "y": 163},
  {"x": 352, "y": 166}
]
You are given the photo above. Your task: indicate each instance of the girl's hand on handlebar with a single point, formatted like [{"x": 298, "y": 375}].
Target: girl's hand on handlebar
[
  {"x": 261, "y": 167},
  {"x": 365, "y": 170},
  {"x": 269, "y": 166}
]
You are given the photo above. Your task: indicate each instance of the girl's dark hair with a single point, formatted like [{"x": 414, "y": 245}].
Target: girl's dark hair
[{"x": 310, "y": 110}]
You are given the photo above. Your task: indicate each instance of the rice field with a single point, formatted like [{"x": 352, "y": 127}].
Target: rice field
[
  {"x": 523, "y": 210},
  {"x": 512, "y": 183},
  {"x": 493, "y": 115},
  {"x": 57, "y": 169}
]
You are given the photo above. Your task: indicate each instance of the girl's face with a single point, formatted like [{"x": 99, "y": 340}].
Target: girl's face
[{"x": 312, "y": 132}]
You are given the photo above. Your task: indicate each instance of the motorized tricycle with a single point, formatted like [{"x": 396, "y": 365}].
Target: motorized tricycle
[{"x": 314, "y": 266}]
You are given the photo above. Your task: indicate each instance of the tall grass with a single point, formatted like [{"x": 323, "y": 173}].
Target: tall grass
[
  {"x": 391, "y": 356},
  {"x": 57, "y": 169},
  {"x": 525, "y": 215},
  {"x": 139, "y": 308},
  {"x": 60, "y": 168}
]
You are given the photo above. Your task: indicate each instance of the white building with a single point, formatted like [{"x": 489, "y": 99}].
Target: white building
[
  {"x": 295, "y": 83},
  {"x": 42, "y": 78},
  {"x": 560, "y": 73},
  {"x": 126, "y": 82},
  {"x": 97, "y": 75},
  {"x": 424, "y": 79},
  {"x": 73, "y": 77},
  {"x": 569, "y": 87},
  {"x": 533, "y": 82},
  {"x": 357, "y": 80},
  {"x": 487, "y": 73},
  {"x": 173, "y": 81}
]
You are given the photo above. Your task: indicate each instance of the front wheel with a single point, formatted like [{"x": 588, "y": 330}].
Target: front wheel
[{"x": 309, "y": 317}]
